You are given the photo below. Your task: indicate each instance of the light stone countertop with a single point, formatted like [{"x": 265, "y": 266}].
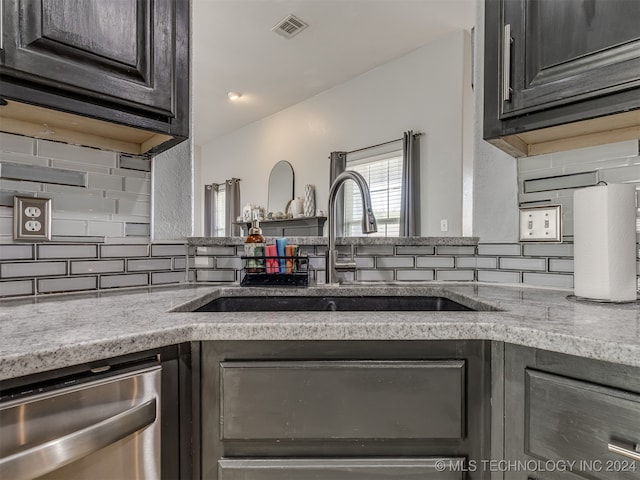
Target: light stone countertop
[{"x": 51, "y": 332}]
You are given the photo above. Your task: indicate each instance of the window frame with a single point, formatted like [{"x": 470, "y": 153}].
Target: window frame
[{"x": 393, "y": 152}]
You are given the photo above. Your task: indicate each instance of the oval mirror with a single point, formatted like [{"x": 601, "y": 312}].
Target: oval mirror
[{"x": 280, "y": 187}]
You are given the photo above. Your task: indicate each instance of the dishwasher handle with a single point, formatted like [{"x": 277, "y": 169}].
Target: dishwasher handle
[{"x": 50, "y": 456}]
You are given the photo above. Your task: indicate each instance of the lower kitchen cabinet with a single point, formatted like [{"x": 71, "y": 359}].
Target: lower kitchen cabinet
[
  {"x": 349, "y": 469},
  {"x": 344, "y": 410},
  {"x": 569, "y": 418}
]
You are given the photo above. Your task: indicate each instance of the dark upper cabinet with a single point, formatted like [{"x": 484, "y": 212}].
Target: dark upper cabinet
[
  {"x": 124, "y": 61},
  {"x": 550, "y": 62}
]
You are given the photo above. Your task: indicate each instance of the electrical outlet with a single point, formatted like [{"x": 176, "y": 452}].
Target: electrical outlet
[
  {"x": 444, "y": 225},
  {"x": 31, "y": 218},
  {"x": 541, "y": 224}
]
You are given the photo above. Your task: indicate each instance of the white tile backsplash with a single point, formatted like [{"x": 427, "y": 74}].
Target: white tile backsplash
[
  {"x": 455, "y": 275},
  {"x": 32, "y": 269},
  {"x": 414, "y": 275},
  {"x": 124, "y": 250},
  {"x": 137, "y": 185},
  {"x": 68, "y": 227},
  {"x": 77, "y": 154},
  {"x": 614, "y": 163},
  {"x": 66, "y": 251},
  {"x": 113, "y": 281},
  {"x": 25, "y": 159},
  {"x": 17, "y": 144},
  {"x": 16, "y": 287},
  {"x": 98, "y": 266},
  {"x": 598, "y": 153},
  {"x": 168, "y": 250},
  {"x": 522, "y": 264},
  {"x": 548, "y": 280},
  {"x": 16, "y": 252},
  {"x": 70, "y": 284},
  {"x": 133, "y": 208},
  {"x": 48, "y": 162},
  {"x": 148, "y": 265},
  {"x": 105, "y": 182},
  {"x": 394, "y": 262},
  {"x": 435, "y": 262},
  {"x": 86, "y": 266},
  {"x": 20, "y": 186},
  {"x": 105, "y": 229}
]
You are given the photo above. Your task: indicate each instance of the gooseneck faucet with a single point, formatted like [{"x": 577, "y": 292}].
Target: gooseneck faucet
[{"x": 368, "y": 223}]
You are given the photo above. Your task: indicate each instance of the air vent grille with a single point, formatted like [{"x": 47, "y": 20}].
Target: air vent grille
[{"x": 289, "y": 27}]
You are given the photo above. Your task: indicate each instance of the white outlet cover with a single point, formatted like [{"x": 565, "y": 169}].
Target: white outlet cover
[
  {"x": 541, "y": 224},
  {"x": 31, "y": 218}
]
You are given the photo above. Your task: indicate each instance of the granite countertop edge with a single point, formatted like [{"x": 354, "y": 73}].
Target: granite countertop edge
[{"x": 45, "y": 334}]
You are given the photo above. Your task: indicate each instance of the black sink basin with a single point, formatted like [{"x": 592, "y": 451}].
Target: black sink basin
[{"x": 332, "y": 304}]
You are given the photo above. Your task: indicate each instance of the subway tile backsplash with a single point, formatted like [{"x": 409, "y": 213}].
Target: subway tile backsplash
[
  {"x": 93, "y": 193},
  {"x": 67, "y": 251},
  {"x": 534, "y": 264},
  {"x": 611, "y": 163},
  {"x": 29, "y": 269},
  {"x": 37, "y": 269},
  {"x": 69, "y": 284}
]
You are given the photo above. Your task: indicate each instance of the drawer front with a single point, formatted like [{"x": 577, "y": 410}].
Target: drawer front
[
  {"x": 344, "y": 469},
  {"x": 342, "y": 400},
  {"x": 568, "y": 420}
]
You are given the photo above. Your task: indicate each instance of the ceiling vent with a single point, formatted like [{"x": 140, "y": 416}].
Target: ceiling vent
[{"x": 289, "y": 27}]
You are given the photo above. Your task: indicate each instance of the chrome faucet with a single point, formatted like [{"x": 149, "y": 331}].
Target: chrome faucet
[{"x": 368, "y": 224}]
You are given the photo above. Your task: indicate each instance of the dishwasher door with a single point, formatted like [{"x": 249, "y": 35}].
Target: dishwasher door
[{"x": 107, "y": 429}]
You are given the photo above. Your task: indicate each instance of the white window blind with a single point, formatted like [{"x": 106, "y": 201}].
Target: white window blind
[
  {"x": 383, "y": 173},
  {"x": 219, "y": 214}
]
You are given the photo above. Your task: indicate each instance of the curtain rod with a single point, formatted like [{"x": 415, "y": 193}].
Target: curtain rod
[{"x": 417, "y": 134}]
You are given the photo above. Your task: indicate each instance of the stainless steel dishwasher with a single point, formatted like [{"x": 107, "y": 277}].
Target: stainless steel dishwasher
[{"x": 98, "y": 429}]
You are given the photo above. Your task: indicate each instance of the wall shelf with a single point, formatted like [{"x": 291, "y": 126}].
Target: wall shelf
[{"x": 290, "y": 227}]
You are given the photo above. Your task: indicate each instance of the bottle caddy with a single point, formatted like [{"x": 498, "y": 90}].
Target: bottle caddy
[{"x": 279, "y": 264}]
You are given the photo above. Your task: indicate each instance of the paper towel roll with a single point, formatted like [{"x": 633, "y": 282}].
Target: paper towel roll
[{"x": 604, "y": 237}]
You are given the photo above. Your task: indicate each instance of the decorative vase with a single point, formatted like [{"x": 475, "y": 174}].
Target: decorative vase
[
  {"x": 309, "y": 201},
  {"x": 296, "y": 207}
]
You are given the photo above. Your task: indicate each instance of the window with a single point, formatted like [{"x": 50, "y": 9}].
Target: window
[
  {"x": 219, "y": 210},
  {"x": 383, "y": 173}
]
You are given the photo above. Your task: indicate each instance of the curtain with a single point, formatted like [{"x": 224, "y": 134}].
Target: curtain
[
  {"x": 338, "y": 164},
  {"x": 410, "y": 201},
  {"x": 210, "y": 208},
  {"x": 232, "y": 207}
]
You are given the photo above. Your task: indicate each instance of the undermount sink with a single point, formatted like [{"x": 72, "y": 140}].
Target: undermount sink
[{"x": 332, "y": 304}]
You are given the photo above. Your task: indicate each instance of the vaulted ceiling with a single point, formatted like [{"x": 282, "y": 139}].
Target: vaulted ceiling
[{"x": 234, "y": 49}]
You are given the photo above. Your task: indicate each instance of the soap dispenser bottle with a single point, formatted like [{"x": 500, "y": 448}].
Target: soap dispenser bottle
[{"x": 254, "y": 249}]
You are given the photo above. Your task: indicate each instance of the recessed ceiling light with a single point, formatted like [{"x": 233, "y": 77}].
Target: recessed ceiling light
[{"x": 234, "y": 96}]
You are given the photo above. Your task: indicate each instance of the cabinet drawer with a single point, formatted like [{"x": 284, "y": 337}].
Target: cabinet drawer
[
  {"x": 342, "y": 400},
  {"x": 570, "y": 420},
  {"x": 345, "y": 469}
]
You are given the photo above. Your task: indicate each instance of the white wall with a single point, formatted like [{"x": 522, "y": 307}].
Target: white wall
[
  {"x": 422, "y": 91},
  {"x": 495, "y": 185},
  {"x": 172, "y": 210}
]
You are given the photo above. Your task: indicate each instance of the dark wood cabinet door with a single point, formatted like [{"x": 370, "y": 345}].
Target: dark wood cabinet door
[
  {"x": 561, "y": 409},
  {"x": 116, "y": 51},
  {"x": 566, "y": 64},
  {"x": 567, "y": 51}
]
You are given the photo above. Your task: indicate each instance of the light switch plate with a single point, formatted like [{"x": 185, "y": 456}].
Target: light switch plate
[
  {"x": 541, "y": 224},
  {"x": 31, "y": 218}
]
